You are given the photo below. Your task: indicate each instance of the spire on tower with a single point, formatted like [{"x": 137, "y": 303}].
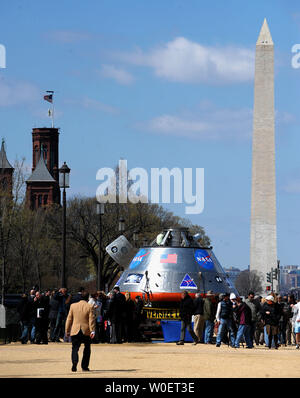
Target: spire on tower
[
  {"x": 41, "y": 173},
  {"x": 264, "y": 37},
  {"x": 4, "y": 163}
]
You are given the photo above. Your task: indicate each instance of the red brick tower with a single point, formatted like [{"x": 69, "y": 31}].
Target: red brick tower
[
  {"x": 43, "y": 184},
  {"x": 45, "y": 141}
]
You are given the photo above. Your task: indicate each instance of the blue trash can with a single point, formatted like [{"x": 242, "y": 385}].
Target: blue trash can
[{"x": 171, "y": 331}]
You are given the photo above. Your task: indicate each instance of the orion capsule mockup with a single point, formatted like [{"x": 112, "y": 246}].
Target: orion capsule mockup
[{"x": 172, "y": 263}]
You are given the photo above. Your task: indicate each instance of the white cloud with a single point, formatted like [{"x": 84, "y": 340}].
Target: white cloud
[
  {"x": 120, "y": 75},
  {"x": 209, "y": 122},
  {"x": 170, "y": 124},
  {"x": 206, "y": 122},
  {"x": 17, "y": 92},
  {"x": 183, "y": 60}
]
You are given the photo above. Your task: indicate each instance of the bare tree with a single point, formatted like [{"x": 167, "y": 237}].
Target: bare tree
[
  {"x": 21, "y": 173},
  {"x": 143, "y": 218},
  {"x": 248, "y": 281},
  {"x": 30, "y": 241}
]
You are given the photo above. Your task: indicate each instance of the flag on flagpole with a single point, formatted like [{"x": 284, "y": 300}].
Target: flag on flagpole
[{"x": 48, "y": 98}]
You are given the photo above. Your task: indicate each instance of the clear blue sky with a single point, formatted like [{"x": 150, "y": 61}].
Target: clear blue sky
[{"x": 161, "y": 84}]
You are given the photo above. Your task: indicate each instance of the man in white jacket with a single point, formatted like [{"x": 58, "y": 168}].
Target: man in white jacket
[{"x": 224, "y": 317}]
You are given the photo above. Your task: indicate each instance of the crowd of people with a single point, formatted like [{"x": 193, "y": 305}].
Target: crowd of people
[
  {"x": 272, "y": 321},
  {"x": 43, "y": 316}
]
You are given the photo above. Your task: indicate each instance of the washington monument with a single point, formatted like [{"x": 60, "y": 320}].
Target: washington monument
[{"x": 263, "y": 240}]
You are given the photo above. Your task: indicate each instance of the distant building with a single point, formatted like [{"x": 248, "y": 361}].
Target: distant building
[
  {"x": 294, "y": 279},
  {"x": 289, "y": 277},
  {"x": 43, "y": 184}
]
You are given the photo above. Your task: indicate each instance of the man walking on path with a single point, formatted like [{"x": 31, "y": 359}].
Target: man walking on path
[
  {"x": 80, "y": 325},
  {"x": 186, "y": 311}
]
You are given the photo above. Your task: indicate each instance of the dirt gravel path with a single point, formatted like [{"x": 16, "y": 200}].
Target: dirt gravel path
[{"x": 149, "y": 360}]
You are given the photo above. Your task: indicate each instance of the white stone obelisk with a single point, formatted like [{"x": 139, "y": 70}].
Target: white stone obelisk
[{"x": 263, "y": 241}]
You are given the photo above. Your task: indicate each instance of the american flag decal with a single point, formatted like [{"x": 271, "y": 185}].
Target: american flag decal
[{"x": 168, "y": 258}]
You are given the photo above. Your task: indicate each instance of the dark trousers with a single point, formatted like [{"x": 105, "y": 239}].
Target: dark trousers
[
  {"x": 186, "y": 324},
  {"x": 113, "y": 333},
  {"x": 52, "y": 328},
  {"x": 282, "y": 332},
  {"x": 59, "y": 330},
  {"x": 31, "y": 329},
  {"x": 116, "y": 332},
  {"x": 101, "y": 332},
  {"x": 259, "y": 333},
  {"x": 41, "y": 330},
  {"x": 272, "y": 332},
  {"x": 128, "y": 330},
  {"x": 77, "y": 340},
  {"x": 252, "y": 329},
  {"x": 12, "y": 332},
  {"x": 119, "y": 331}
]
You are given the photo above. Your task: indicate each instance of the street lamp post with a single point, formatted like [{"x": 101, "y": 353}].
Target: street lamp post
[
  {"x": 100, "y": 211},
  {"x": 64, "y": 177},
  {"x": 278, "y": 275}
]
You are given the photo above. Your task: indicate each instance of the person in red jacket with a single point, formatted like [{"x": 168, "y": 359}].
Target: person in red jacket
[{"x": 243, "y": 317}]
